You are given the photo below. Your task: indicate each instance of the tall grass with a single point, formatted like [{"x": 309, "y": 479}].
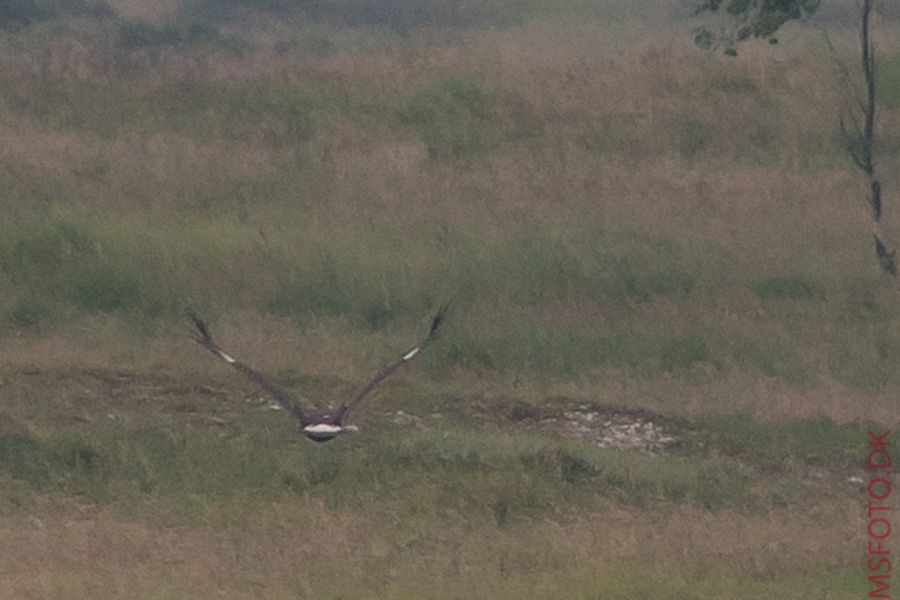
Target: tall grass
[
  {"x": 612, "y": 222},
  {"x": 455, "y": 475},
  {"x": 557, "y": 200}
]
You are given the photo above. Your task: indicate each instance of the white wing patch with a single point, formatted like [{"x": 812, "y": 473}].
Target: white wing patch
[
  {"x": 411, "y": 353},
  {"x": 227, "y": 358}
]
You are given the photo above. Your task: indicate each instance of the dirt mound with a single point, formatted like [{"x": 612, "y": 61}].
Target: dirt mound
[
  {"x": 603, "y": 426},
  {"x": 610, "y": 429}
]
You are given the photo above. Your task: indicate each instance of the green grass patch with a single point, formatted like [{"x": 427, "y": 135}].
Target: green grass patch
[
  {"x": 816, "y": 441},
  {"x": 768, "y": 359},
  {"x": 638, "y": 266},
  {"x": 188, "y": 106},
  {"x": 140, "y": 33},
  {"x": 497, "y": 477},
  {"x": 788, "y": 287},
  {"x": 30, "y": 312},
  {"x": 693, "y": 138},
  {"x": 864, "y": 357},
  {"x": 397, "y": 15},
  {"x": 888, "y": 84},
  {"x": 616, "y": 134},
  {"x": 374, "y": 280},
  {"x": 106, "y": 287},
  {"x": 60, "y": 263},
  {"x": 559, "y": 352},
  {"x": 66, "y": 462},
  {"x": 16, "y": 14},
  {"x": 460, "y": 119},
  {"x": 733, "y": 82},
  {"x": 366, "y": 280}
]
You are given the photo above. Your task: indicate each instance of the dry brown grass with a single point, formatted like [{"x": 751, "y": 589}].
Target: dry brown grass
[
  {"x": 222, "y": 179},
  {"x": 285, "y": 550}
]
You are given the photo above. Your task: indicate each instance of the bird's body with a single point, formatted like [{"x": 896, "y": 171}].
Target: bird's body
[
  {"x": 322, "y": 427},
  {"x": 325, "y": 432}
]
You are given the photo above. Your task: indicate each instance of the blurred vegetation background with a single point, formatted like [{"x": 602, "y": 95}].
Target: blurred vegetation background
[
  {"x": 642, "y": 207},
  {"x": 614, "y": 216}
]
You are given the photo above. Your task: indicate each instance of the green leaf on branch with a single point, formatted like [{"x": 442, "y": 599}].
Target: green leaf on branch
[{"x": 746, "y": 19}]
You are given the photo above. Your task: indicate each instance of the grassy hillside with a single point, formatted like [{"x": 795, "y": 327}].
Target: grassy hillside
[
  {"x": 617, "y": 220},
  {"x": 646, "y": 212}
]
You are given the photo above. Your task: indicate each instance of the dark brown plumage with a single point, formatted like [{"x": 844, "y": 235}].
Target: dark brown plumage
[
  {"x": 321, "y": 427},
  {"x": 885, "y": 257}
]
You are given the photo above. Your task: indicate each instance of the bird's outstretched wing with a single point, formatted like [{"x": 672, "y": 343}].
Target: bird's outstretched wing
[
  {"x": 204, "y": 338},
  {"x": 887, "y": 259},
  {"x": 383, "y": 374}
]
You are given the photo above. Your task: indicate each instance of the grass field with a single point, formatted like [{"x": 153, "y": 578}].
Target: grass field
[{"x": 618, "y": 220}]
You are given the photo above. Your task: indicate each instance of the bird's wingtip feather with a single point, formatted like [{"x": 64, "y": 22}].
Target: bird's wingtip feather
[
  {"x": 438, "y": 319},
  {"x": 200, "y": 324}
]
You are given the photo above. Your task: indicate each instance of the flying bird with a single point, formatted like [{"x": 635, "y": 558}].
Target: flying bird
[{"x": 317, "y": 427}]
